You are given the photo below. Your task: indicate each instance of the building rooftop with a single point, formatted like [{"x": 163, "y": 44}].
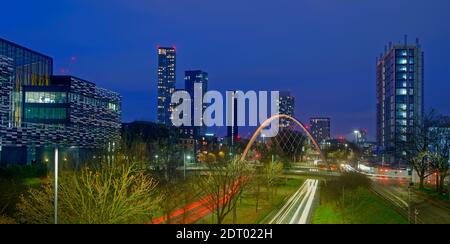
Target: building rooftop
[{"x": 25, "y": 48}]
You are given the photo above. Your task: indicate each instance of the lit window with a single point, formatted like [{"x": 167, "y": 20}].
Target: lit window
[
  {"x": 402, "y": 91},
  {"x": 402, "y": 61}
]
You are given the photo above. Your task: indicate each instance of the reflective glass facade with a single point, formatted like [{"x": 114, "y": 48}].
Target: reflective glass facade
[
  {"x": 200, "y": 78},
  {"x": 46, "y": 105},
  {"x": 30, "y": 69},
  {"x": 44, "y": 114},
  {"x": 46, "y": 97}
]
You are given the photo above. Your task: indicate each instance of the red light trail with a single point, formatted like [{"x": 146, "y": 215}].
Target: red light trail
[{"x": 195, "y": 211}]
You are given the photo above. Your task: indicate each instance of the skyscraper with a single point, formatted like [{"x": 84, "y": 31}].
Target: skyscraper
[
  {"x": 400, "y": 104},
  {"x": 287, "y": 107},
  {"x": 321, "y": 129},
  {"x": 166, "y": 83},
  {"x": 200, "y": 78},
  {"x": 232, "y": 115}
]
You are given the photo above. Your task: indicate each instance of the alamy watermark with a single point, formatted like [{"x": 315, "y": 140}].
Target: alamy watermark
[{"x": 208, "y": 109}]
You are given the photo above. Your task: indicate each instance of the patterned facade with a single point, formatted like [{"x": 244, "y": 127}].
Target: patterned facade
[{"x": 65, "y": 112}]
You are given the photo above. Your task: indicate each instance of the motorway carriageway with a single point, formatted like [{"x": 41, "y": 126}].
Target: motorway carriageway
[
  {"x": 298, "y": 208},
  {"x": 193, "y": 212}
]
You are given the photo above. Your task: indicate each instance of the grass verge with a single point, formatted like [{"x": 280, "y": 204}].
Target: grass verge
[
  {"x": 355, "y": 206},
  {"x": 246, "y": 211}
]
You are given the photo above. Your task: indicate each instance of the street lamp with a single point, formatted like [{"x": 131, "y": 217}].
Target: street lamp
[
  {"x": 188, "y": 157},
  {"x": 356, "y": 132},
  {"x": 410, "y": 187},
  {"x": 156, "y": 159},
  {"x": 56, "y": 186}
]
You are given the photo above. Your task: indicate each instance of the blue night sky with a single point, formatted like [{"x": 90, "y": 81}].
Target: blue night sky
[{"x": 322, "y": 50}]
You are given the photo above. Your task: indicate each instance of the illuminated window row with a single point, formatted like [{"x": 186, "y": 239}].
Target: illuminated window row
[{"x": 46, "y": 97}]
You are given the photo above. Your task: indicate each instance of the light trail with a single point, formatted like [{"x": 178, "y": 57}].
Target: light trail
[
  {"x": 288, "y": 205},
  {"x": 308, "y": 208},
  {"x": 198, "y": 210},
  {"x": 299, "y": 206}
]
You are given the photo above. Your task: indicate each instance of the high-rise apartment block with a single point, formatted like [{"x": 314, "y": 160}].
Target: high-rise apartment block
[
  {"x": 166, "y": 83},
  {"x": 400, "y": 99}
]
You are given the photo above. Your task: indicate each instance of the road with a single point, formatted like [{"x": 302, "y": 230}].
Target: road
[
  {"x": 424, "y": 209},
  {"x": 193, "y": 212},
  {"x": 298, "y": 208}
]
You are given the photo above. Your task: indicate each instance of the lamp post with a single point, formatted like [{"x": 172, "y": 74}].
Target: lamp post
[
  {"x": 356, "y": 136},
  {"x": 56, "y": 185},
  {"x": 410, "y": 187},
  {"x": 188, "y": 157},
  {"x": 156, "y": 161}
]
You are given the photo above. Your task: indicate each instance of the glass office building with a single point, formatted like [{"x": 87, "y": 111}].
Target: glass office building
[
  {"x": 30, "y": 68},
  {"x": 166, "y": 83},
  {"x": 39, "y": 112},
  {"x": 191, "y": 79},
  {"x": 400, "y": 104}
]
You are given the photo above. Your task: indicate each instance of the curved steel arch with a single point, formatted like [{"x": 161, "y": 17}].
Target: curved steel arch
[{"x": 268, "y": 122}]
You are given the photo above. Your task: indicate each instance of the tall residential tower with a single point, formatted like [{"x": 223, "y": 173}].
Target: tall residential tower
[
  {"x": 199, "y": 78},
  {"x": 287, "y": 107},
  {"x": 400, "y": 101},
  {"x": 321, "y": 129},
  {"x": 166, "y": 83}
]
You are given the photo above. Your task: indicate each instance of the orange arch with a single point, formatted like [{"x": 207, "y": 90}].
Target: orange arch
[{"x": 268, "y": 122}]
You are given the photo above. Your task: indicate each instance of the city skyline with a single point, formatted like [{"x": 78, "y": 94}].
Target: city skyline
[
  {"x": 279, "y": 61},
  {"x": 222, "y": 113}
]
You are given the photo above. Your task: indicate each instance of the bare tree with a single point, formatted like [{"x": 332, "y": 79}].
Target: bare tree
[
  {"x": 417, "y": 149},
  {"x": 171, "y": 199},
  {"x": 440, "y": 150},
  {"x": 257, "y": 182},
  {"x": 272, "y": 172},
  {"x": 422, "y": 165},
  {"x": 224, "y": 184}
]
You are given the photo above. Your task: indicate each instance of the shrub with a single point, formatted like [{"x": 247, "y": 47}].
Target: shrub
[
  {"x": 6, "y": 220},
  {"x": 10, "y": 192},
  {"x": 106, "y": 195},
  {"x": 347, "y": 182},
  {"x": 20, "y": 172}
]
